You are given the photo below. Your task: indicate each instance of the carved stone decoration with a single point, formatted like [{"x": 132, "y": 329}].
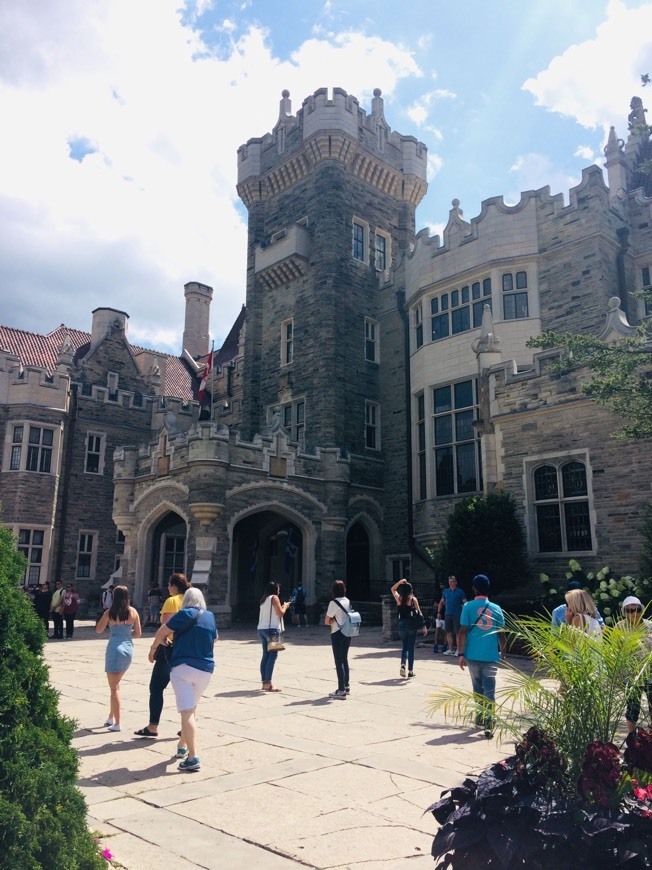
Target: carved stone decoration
[{"x": 206, "y": 512}]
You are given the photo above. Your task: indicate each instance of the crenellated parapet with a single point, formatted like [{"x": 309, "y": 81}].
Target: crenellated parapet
[
  {"x": 338, "y": 129},
  {"x": 502, "y": 231},
  {"x": 32, "y": 385}
]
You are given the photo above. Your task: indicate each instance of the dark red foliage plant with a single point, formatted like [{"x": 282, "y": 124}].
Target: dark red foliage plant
[
  {"x": 638, "y": 751},
  {"x": 601, "y": 774}
]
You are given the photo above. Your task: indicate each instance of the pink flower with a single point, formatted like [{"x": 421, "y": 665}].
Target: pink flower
[
  {"x": 640, "y": 794},
  {"x": 107, "y": 854}
]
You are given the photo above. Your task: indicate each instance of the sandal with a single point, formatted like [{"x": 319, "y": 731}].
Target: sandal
[
  {"x": 145, "y": 732},
  {"x": 270, "y": 688}
]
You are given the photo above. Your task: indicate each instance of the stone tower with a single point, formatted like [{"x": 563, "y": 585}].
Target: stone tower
[{"x": 331, "y": 194}]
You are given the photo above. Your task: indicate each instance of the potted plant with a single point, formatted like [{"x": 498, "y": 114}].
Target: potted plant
[{"x": 567, "y": 797}]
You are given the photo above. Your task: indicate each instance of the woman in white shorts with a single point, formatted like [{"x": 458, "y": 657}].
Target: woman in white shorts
[{"x": 192, "y": 666}]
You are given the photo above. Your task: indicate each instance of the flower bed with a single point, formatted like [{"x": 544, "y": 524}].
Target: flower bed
[{"x": 521, "y": 812}]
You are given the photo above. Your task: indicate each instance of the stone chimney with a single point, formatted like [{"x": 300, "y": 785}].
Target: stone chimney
[
  {"x": 104, "y": 319},
  {"x": 198, "y": 309}
]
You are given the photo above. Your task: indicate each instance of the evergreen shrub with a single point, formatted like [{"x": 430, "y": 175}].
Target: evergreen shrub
[
  {"x": 484, "y": 535},
  {"x": 42, "y": 813}
]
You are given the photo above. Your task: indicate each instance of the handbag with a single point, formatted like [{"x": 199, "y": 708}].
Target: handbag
[
  {"x": 417, "y": 619},
  {"x": 274, "y": 644},
  {"x": 164, "y": 650}
]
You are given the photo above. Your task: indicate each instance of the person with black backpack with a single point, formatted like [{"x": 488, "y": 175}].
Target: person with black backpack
[{"x": 298, "y": 599}]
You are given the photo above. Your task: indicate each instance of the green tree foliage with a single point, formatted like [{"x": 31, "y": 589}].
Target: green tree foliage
[
  {"x": 484, "y": 535},
  {"x": 42, "y": 814},
  {"x": 617, "y": 376}
]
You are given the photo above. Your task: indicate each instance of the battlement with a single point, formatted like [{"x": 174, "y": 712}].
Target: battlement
[
  {"x": 500, "y": 230},
  {"x": 31, "y": 385},
  {"x": 326, "y": 122}
]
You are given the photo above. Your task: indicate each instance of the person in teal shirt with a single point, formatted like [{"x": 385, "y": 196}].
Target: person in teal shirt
[{"x": 481, "y": 646}]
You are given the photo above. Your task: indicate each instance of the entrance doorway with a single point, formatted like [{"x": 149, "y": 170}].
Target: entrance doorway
[
  {"x": 266, "y": 546},
  {"x": 358, "y": 576}
]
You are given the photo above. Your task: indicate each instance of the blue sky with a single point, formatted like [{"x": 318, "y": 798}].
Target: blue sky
[{"x": 117, "y": 181}]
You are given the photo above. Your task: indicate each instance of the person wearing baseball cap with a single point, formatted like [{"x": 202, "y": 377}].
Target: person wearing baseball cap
[
  {"x": 632, "y": 609},
  {"x": 481, "y": 646}
]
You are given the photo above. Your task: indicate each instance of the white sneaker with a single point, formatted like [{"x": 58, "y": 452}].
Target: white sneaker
[
  {"x": 109, "y": 721},
  {"x": 114, "y": 728},
  {"x": 402, "y": 670},
  {"x": 456, "y": 653},
  {"x": 449, "y": 652}
]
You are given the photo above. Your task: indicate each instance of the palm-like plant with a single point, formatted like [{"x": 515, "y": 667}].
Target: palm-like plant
[{"x": 576, "y": 693}]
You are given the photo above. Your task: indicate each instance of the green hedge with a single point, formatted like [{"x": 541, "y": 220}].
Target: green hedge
[{"x": 42, "y": 814}]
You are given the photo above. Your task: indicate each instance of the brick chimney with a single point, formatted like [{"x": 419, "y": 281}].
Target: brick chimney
[{"x": 198, "y": 309}]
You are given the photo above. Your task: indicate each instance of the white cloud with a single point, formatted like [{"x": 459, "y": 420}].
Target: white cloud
[
  {"x": 434, "y": 165},
  {"x": 532, "y": 171},
  {"x": 155, "y": 205},
  {"x": 585, "y": 152},
  {"x": 593, "y": 81},
  {"x": 419, "y": 111}
]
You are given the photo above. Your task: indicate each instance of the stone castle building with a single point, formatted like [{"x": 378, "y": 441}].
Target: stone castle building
[{"x": 375, "y": 377}]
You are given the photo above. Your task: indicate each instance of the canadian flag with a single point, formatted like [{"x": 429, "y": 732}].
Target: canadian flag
[{"x": 204, "y": 378}]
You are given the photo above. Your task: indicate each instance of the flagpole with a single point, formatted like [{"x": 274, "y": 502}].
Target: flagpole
[{"x": 212, "y": 379}]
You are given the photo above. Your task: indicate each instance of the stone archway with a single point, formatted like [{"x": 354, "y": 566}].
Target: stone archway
[
  {"x": 163, "y": 549},
  {"x": 269, "y": 542},
  {"x": 265, "y": 546}
]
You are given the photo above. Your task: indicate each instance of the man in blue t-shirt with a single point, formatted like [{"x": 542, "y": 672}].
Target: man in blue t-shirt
[
  {"x": 481, "y": 646},
  {"x": 452, "y": 599}
]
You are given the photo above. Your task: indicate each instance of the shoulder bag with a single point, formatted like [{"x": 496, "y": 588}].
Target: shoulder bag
[{"x": 275, "y": 643}]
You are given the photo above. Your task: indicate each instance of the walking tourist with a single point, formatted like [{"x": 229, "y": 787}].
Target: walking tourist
[
  {"x": 558, "y": 615},
  {"x": 178, "y": 585},
  {"x": 270, "y": 628},
  {"x": 410, "y": 621},
  {"x": 336, "y": 614},
  {"x": 42, "y": 601},
  {"x": 124, "y": 624},
  {"x": 154, "y": 603},
  {"x": 481, "y": 645},
  {"x": 56, "y": 609},
  {"x": 107, "y": 597},
  {"x": 70, "y": 605},
  {"x": 452, "y": 599},
  {"x": 581, "y": 612},
  {"x": 632, "y": 609},
  {"x": 298, "y": 599},
  {"x": 191, "y": 666}
]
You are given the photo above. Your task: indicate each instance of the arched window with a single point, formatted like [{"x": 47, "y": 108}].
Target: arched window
[{"x": 561, "y": 501}]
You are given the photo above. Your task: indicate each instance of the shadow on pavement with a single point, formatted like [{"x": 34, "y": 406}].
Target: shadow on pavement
[{"x": 240, "y": 693}]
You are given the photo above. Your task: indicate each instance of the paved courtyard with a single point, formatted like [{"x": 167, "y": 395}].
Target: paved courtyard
[{"x": 288, "y": 780}]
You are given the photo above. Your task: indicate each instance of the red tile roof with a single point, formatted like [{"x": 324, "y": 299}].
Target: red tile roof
[{"x": 42, "y": 351}]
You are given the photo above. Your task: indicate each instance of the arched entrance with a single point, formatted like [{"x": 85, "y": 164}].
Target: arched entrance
[
  {"x": 168, "y": 548},
  {"x": 266, "y": 546},
  {"x": 358, "y": 574}
]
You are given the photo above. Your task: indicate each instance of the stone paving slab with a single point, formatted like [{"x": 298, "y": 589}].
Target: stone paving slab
[{"x": 288, "y": 780}]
